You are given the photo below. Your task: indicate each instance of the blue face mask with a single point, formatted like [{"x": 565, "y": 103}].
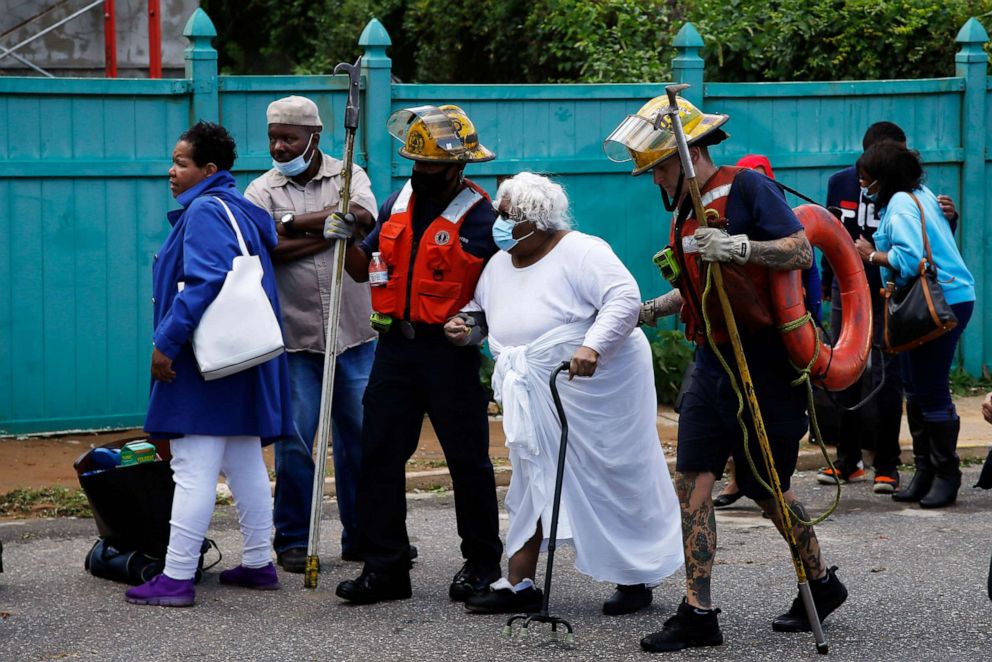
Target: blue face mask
[
  {"x": 503, "y": 234},
  {"x": 295, "y": 166},
  {"x": 873, "y": 197}
]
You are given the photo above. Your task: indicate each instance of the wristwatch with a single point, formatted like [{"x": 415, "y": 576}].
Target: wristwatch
[{"x": 287, "y": 221}]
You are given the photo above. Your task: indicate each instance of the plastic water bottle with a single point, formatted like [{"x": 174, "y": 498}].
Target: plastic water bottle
[{"x": 378, "y": 272}]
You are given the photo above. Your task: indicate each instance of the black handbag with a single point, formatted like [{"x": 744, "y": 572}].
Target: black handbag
[
  {"x": 135, "y": 567},
  {"x": 917, "y": 312}
]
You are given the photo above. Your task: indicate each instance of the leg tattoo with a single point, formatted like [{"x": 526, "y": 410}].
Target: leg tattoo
[
  {"x": 809, "y": 546},
  {"x": 698, "y": 535}
]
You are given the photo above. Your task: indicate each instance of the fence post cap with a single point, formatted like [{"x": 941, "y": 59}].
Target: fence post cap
[
  {"x": 688, "y": 37},
  {"x": 199, "y": 25},
  {"x": 972, "y": 32},
  {"x": 374, "y": 34}
]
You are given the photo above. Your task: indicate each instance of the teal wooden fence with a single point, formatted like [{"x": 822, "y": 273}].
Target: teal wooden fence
[{"x": 83, "y": 187}]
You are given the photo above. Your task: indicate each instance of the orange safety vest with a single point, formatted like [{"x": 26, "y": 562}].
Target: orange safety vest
[
  {"x": 444, "y": 275},
  {"x": 747, "y": 285}
]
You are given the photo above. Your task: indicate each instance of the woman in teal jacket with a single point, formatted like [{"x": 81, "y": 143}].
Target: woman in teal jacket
[{"x": 892, "y": 176}]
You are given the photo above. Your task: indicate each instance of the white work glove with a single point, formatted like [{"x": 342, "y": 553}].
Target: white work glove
[
  {"x": 339, "y": 226},
  {"x": 648, "y": 315},
  {"x": 715, "y": 245}
]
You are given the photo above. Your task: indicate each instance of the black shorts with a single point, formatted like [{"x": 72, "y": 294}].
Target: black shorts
[{"x": 709, "y": 432}]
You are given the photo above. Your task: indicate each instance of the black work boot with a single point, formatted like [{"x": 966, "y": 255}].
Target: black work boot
[
  {"x": 827, "y": 596},
  {"x": 946, "y": 464},
  {"x": 502, "y": 599},
  {"x": 920, "y": 484},
  {"x": 293, "y": 559},
  {"x": 472, "y": 580},
  {"x": 688, "y": 628},
  {"x": 373, "y": 586},
  {"x": 627, "y": 599}
]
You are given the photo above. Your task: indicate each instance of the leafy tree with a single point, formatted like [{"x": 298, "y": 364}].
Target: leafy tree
[
  {"x": 544, "y": 41},
  {"x": 749, "y": 40},
  {"x": 470, "y": 42},
  {"x": 600, "y": 41}
]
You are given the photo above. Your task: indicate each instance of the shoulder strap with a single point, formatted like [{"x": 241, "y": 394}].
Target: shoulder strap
[
  {"x": 923, "y": 223},
  {"x": 234, "y": 224}
]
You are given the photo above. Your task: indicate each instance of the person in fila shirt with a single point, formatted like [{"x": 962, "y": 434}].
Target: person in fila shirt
[{"x": 874, "y": 426}]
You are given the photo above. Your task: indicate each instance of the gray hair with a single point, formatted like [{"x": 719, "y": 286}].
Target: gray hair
[{"x": 537, "y": 199}]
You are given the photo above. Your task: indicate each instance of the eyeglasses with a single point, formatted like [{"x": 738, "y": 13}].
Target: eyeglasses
[{"x": 506, "y": 216}]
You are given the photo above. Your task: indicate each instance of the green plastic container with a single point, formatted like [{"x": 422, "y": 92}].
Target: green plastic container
[{"x": 137, "y": 452}]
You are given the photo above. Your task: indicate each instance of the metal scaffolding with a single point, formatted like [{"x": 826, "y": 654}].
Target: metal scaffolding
[{"x": 109, "y": 35}]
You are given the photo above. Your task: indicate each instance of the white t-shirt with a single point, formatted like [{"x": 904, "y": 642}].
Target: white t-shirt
[{"x": 580, "y": 277}]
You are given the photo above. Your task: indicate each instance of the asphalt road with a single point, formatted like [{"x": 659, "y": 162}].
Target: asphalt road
[{"x": 917, "y": 582}]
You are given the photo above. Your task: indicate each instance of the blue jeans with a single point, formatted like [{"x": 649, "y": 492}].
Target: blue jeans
[
  {"x": 294, "y": 456},
  {"x": 926, "y": 369}
]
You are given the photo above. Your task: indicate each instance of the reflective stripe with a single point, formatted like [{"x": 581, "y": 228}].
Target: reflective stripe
[
  {"x": 455, "y": 211},
  {"x": 403, "y": 199},
  {"x": 461, "y": 205},
  {"x": 718, "y": 192}
]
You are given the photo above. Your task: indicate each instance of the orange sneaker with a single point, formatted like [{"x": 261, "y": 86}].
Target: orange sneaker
[
  {"x": 886, "y": 484},
  {"x": 829, "y": 476}
]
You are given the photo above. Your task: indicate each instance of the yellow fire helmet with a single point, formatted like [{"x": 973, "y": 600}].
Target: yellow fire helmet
[
  {"x": 442, "y": 134},
  {"x": 636, "y": 138}
]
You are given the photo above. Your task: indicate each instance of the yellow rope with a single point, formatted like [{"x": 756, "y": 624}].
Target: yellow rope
[
  {"x": 804, "y": 376},
  {"x": 796, "y": 323}
]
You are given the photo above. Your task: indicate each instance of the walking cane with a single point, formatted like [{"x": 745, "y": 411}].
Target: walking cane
[
  {"x": 543, "y": 616},
  {"x": 735, "y": 340},
  {"x": 333, "y": 313}
]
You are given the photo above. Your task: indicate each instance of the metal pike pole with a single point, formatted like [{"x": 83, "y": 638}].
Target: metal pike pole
[
  {"x": 748, "y": 384},
  {"x": 333, "y": 313}
]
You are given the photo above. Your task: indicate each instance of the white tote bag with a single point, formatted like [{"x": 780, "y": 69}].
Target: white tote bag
[{"x": 239, "y": 329}]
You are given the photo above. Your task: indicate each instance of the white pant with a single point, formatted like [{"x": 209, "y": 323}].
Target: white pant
[{"x": 197, "y": 462}]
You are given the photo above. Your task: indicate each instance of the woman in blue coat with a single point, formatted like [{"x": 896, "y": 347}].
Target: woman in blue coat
[
  {"x": 892, "y": 177},
  {"x": 220, "y": 425}
]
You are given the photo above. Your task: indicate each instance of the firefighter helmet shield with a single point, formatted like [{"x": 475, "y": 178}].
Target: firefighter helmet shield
[
  {"x": 442, "y": 134},
  {"x": 646, "y": 138}
]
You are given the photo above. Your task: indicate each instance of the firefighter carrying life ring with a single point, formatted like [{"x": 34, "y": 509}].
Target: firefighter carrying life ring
[{"x": 838, "y": 366}]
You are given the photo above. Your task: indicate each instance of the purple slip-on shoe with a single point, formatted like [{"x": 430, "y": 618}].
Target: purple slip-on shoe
[
  {"x": 163, "y": 591},
  {"x": 263, "y": 579}
]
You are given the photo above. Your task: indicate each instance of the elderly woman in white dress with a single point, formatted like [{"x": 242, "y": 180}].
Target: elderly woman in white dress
[{"x": 551, "y": 295}]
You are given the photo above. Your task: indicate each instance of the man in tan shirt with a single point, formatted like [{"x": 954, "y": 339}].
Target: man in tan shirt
[{"x": 301, "y": 191}]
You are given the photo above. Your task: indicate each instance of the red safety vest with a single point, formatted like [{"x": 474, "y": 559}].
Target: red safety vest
[
  {"x": 444, "y": 275},
  {"x": 747, "y": 285}
]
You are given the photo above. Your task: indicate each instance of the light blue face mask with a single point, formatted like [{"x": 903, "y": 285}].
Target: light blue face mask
[
  {"x": 503, "y": 233},
  {"x": 295, "y": 166},
  {"x": 873, "y": 197}
]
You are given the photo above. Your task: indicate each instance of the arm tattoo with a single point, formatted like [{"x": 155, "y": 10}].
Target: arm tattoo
[
  {"x": 668, "y": 304},
  {"x": 785, "y": 254}
]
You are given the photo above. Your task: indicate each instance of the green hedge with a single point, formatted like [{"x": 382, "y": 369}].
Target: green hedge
[{"x": 543, "y": 41}]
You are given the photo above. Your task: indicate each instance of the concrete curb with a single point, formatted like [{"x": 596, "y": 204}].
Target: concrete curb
[
  {"x": 973, "y": 445},
  {"x": 810, "y": 459}
]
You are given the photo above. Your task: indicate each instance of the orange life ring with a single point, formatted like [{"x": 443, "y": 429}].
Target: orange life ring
[{"x": 839, "y": 366}]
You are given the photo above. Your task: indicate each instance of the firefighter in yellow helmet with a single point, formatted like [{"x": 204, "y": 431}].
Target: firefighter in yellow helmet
[
  {"x": 757, "y": 232},
  {"x": 430, "y": 243}
]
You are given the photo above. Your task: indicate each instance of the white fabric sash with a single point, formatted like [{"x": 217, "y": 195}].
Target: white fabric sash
[{"x": 523, "y": 370}]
